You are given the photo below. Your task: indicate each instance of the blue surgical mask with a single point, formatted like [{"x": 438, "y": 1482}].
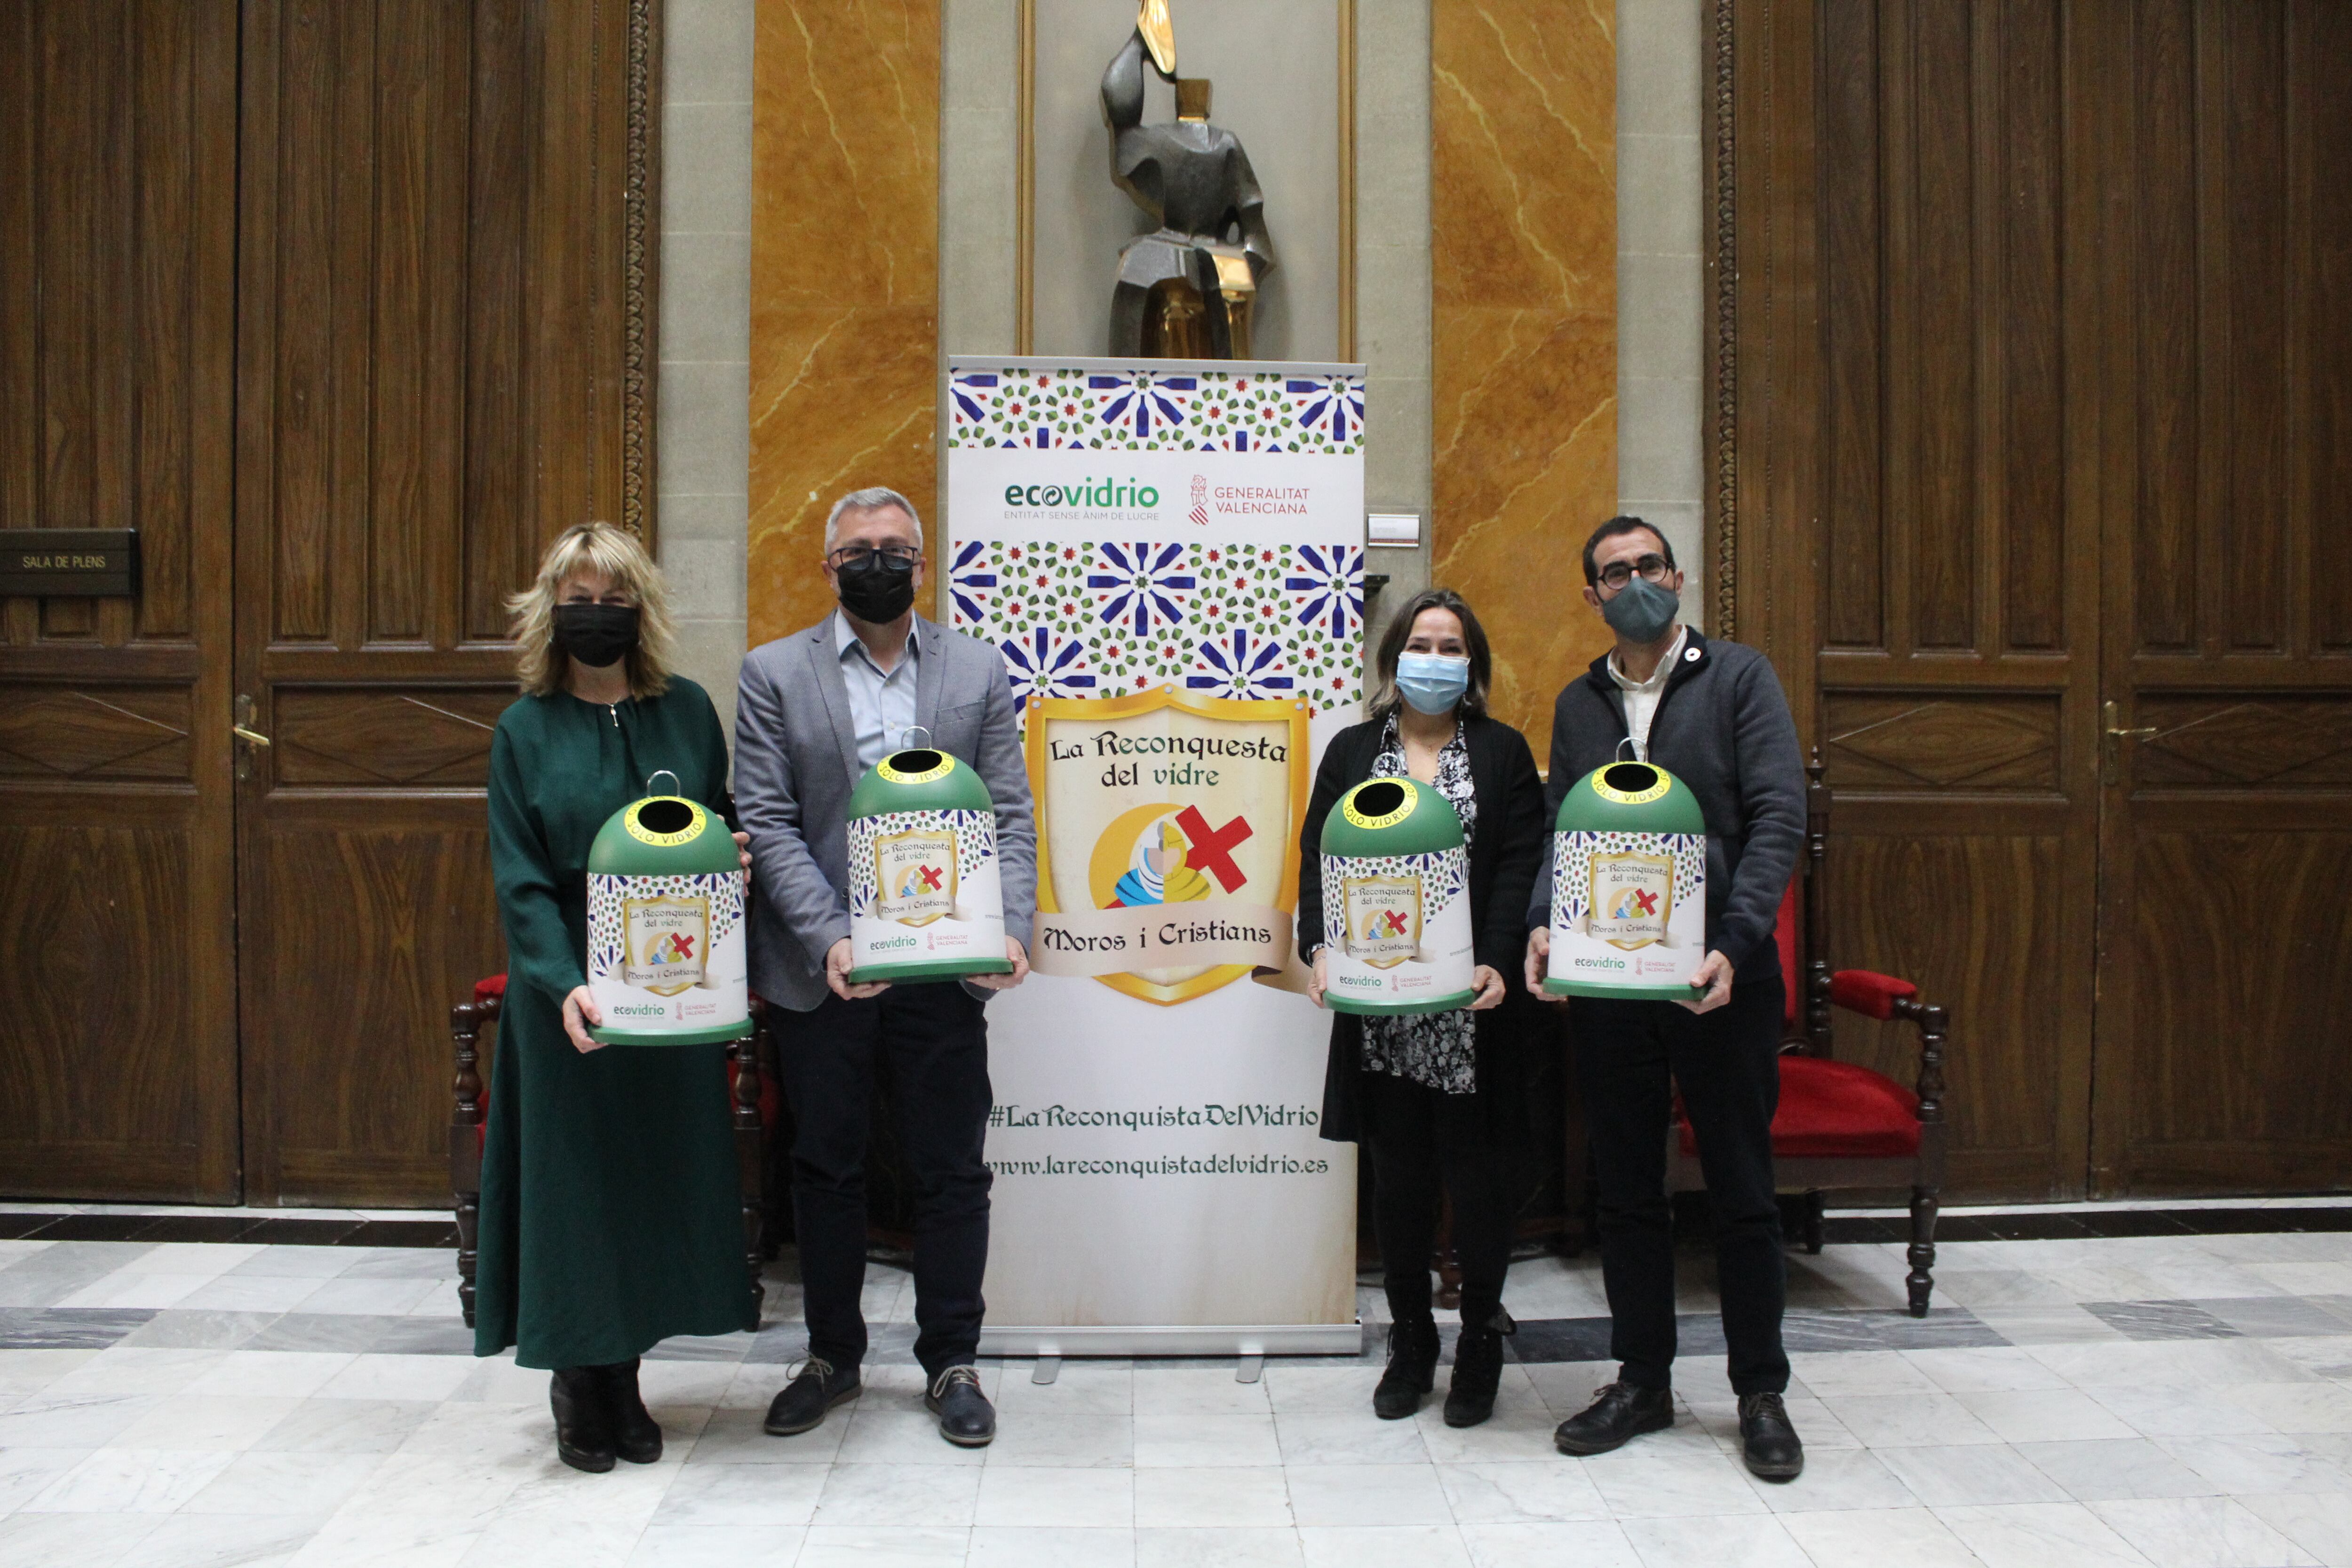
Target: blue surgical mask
[{"x": 1431, "y": 682}]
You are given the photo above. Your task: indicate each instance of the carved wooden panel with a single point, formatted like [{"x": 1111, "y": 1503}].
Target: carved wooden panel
[
  {"x": 1974, "y": 921},
  {"x": 101, "y": 1092},
  {"x": 2235, "y": 234},
  {"x": 2242, "y": 974},
  {"x": 435, "y": 335},
  {"x": 2224, "y": 931},
  {"x": 1933, "y": 741},
  {"x": 117, "y": 184},
  {"x": 2238, "y": 742},
  {"x": 347, "y": 736},
  {"x": 118, "y": 294},
  {"x": 375, "y": 929},
  {"x": 93, "y": 732},
  {"x": 1944, "y": 519}
]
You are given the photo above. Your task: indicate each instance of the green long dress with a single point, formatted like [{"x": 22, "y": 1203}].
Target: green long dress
[{"x": 609, "y": 1210}]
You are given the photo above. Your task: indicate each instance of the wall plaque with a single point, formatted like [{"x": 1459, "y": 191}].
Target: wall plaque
[{"x": 70, "y": 562}]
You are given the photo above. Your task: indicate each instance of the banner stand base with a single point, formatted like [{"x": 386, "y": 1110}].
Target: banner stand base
[{"x": 1125, "y": 1340}]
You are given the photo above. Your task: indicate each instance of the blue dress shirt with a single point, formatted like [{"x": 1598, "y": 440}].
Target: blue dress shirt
[{"x": 881, "y": 705}]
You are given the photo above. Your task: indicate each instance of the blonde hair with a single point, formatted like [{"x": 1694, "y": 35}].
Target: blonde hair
[{"x": 600, "y": 550}]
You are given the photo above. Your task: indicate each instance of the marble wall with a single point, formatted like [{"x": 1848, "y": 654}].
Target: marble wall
[
  {"x": 1661, "y": 276},
  {"x": 1523, "y": 269},
  {"x": 703, "y": 423},
  {"x": 1276, "y": 75},
  {"x": 1528, "y": 458},
  {"x": 845, "y": 279}
]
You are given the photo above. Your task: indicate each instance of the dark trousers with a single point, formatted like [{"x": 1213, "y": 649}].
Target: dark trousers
[
  {"x": 1414, "y": 1140},
  {"x": 1631, "y": 1056},
  {"x": 935, "y": 1039}
]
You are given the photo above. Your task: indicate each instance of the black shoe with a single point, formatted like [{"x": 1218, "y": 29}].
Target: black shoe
[
  {"x": 816, "y": 1388},
  {"x": 1478, "y": 1369},
  {"x": 1767, "y": 1441},
  {"x": 584, "y": 1425},
  {"x": 1618, "y": 1414},
  {"x": 1413, "y": 1368},
  {"x": 636, "y": 1435},
  {"x": 966, "y": 1417}
]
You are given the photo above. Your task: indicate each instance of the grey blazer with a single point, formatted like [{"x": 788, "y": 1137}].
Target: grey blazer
[{"x": 796, "y": 761}]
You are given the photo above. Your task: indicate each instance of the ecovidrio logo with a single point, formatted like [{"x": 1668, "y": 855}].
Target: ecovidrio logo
[{"x": 1086, "y": 494}]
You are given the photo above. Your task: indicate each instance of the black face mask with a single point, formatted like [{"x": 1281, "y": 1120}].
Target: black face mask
[
  {"x": 877, "y": 589},
  {"x": 596, "y": 634}
]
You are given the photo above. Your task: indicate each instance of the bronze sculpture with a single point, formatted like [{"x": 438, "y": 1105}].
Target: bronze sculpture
[{"x": 1186, "y": 290}]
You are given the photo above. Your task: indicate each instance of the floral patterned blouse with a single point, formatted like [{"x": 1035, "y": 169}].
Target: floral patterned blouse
[{"x": 1434, "y": 1049}]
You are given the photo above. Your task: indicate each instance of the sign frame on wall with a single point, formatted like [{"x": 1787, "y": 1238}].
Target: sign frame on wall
[{"x": 1170, "y": 554}]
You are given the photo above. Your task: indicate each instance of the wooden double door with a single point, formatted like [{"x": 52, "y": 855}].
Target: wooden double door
[
  {"x": 2050, "y": 522},
  {"x": 326, "y": 299}
]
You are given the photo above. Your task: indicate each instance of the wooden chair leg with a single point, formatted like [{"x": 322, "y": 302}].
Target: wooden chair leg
[
  {"x": 466, "y": 1021},
  {"x": 1449, "y": 1268},
  {"x": 1921, "y": 1280},
  {"x": 750, "y": 1161}
]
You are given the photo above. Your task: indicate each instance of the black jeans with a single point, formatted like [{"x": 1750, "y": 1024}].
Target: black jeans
[
  {"x": 935, "y": 1037},
  {"x": 1412, "y": 1139},
  {"x": 1726, "y": 1064}
]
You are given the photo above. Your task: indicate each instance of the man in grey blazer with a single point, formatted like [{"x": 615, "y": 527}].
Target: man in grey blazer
[{"x": 813, "y": 712}]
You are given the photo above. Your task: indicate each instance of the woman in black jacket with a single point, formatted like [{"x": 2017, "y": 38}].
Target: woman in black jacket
[{"x": 1438, "y": 1095}]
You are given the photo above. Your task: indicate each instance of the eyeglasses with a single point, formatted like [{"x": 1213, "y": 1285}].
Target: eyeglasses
[
  {"x": 1617, "y": 573},
  {"x": 898, "y": 557}
]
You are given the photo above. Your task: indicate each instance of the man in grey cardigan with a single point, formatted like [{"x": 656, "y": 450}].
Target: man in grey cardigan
[
  {"x": 1712, "y": 714},
  {"x": 814, "y": 711}
]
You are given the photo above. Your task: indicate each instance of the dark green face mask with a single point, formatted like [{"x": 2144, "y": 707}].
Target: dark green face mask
[{"x": 1642, "y": 611}]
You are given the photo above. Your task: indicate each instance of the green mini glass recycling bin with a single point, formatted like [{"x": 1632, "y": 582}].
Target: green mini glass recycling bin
[
  {"x": 1628, "y": 886},
  {"x": 666, "y": 904},
  {"x": 924, "y": 898},
  {"x": 1396, "y": 902}
]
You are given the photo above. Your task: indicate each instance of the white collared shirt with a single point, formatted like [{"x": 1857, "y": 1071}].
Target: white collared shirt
[
  {"x": 881, "y": 703},
  {"x": 1641, "y": 696}
]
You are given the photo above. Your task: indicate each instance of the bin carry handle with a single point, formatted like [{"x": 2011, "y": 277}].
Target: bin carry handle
[
  {"x": 905, "y": 744},
  {"x": 660, "y": 772},
  {"x": 1622, "y": 740}
]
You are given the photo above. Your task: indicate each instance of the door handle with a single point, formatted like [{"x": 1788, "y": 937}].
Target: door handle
[
  {"x": 243, "y": 728},
  {"x": 2111, "y": 760},
  {"x": 254, "y": 740}
]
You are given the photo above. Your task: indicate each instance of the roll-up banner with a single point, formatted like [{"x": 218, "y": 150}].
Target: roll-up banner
[{"x": 1170, "y": 554}]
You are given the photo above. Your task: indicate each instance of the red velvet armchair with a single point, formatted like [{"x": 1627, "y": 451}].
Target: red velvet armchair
[
  {"x": 1840, "y": 1125},
  {"x": 753, "y": 1094}
]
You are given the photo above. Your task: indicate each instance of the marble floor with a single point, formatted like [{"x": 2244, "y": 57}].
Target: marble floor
[{"x": 2181, "y": 1401}]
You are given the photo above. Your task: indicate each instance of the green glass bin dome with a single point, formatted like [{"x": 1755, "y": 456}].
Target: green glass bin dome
[
  {"x": 661, "y": 863},
  {"x": 1645, "y": 826},
  {"x": 923, "y": 793}
]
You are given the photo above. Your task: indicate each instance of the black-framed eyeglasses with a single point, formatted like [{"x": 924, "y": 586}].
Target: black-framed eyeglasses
[
  {"x": 1653, "y": 568},
  {"x": 894, "y": 557}
]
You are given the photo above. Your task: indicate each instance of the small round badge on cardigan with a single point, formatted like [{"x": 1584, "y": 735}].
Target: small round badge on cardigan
[
  {"x": 1628, "y": 886},
  {"x": 1396, "y": 902},
  {"x": 924, "y": 898},
  {"x": 666, "y": 902}
]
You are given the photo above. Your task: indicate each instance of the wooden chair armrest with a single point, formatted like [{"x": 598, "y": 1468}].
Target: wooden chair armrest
[{"x": 1871, "y": 993}]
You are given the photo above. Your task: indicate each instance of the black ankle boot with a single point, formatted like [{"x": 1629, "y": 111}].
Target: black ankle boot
[
  {"x": 1413, "y": 1368},
  {"x": 583, "y": 1425},
  {"x": 1477, "y": 1370},
  {"x": 636, "y": 1435}
]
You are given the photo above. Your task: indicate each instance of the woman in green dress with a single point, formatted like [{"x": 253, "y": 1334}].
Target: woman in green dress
[{"x": 609, "y": 1214}]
